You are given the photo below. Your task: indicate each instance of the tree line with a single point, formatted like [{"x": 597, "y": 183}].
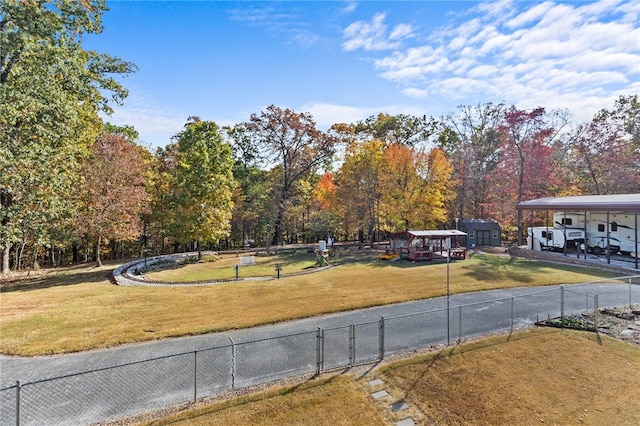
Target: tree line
[{"x": 76, "y": 189}]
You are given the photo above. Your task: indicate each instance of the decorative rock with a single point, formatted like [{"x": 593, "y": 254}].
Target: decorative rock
[
  {"x": 380, "y": 394},
  {"x": 400, "y": 405}
]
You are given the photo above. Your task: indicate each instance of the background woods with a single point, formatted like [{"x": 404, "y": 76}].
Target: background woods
[{"x": 74, "y": 188}]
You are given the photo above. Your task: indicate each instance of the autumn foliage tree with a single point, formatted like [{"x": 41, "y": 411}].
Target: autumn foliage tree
[
  {"x": 528, "y": 168},
  {"x": 606, "y": 151},
  {"x": 414, "y": 185},
  {"x": 292, "y": 142},
  {"x": 470, "y": 140},
  {"x": 115, "y": 196}
]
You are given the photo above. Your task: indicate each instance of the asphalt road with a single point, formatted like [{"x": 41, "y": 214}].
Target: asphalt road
[{"x": 99, "y": 385}]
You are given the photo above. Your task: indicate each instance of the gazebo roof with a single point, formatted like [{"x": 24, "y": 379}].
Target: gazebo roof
[
  {"x": 614, "y": 202},
  {"x": 439, "y": 233}
]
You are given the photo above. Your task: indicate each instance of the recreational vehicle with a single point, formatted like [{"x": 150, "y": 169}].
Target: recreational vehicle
[
  {"x": 554, "y": 238},
  {"x": 621, "y": 228}
]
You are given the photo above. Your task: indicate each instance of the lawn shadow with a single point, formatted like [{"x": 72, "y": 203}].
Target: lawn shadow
[{"x": 78, "y": 274}]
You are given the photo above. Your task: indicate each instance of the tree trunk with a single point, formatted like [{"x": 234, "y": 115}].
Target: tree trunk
[
  {"x": 277, "y": 231},
  {"x": 74, "y": 252},
  {"x": 5, "y": 259},
  {"x": 98, "y": 260}
]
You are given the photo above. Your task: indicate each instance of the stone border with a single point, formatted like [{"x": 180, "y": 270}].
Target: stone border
[{"x": 128, "y": 275}]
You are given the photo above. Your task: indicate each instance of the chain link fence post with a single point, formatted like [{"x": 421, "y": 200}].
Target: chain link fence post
[
  {"x": 381, "y": 338},
  {"x": 17, "y": 402},
  {"x": 595, "y": 309},
  {"x": 352, "y": 345},
  {"x": 561, "y": 306},
  {"x": 233, "y": 364},
  {"x": 630, "y": 304},
  {"x": 195, "y": 376},
  {"x": 319, "y": 351},
  {"x": 459, "y": 324},
  {"x": 512, "y": 315}
]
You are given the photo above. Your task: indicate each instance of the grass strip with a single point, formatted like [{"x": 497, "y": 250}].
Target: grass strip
[{"x": 79, "y": 309}]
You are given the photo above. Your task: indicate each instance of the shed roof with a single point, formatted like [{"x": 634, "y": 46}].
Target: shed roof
[
  {"x": 439, "y": 233},
  {"x": 480, "y": 224},
  {"x": 618, "y": 202}
]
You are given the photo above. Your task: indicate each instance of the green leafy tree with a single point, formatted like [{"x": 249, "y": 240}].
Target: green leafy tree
[
  {"x": 399, "y": 129},
  {"x": 251, "y": 198},
  {"x": 51, "y": 90},
  {"x": 204, "y": 184}
]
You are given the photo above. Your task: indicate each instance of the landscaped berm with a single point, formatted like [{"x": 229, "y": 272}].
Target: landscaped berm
[{"x": 538, "y": 376}]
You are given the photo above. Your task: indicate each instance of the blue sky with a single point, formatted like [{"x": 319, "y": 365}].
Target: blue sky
[{"x": 345, "y": 61}]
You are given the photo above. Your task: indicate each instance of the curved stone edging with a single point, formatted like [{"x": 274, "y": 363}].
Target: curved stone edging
[{"x": 126, "y": 275}]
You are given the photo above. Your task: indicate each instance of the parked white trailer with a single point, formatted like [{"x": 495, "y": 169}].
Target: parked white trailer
[
  {"x": 547, "y": 238},
  {"x": 621, "y": 228}
]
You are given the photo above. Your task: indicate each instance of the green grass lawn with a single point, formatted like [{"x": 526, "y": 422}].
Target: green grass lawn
[
  {"x": 79, "y": 309},
  {"x": 223, "y": 267}
]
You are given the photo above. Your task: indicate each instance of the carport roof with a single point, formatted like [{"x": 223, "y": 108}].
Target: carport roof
[{"x": 614, "y": 202}]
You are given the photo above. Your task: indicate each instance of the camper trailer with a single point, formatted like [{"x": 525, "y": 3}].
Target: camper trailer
[
  {"x": 547, "y": 238},
  {"x": 621, "y": 228}
]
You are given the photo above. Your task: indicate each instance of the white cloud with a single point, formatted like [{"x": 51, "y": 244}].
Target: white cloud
[
  {"x": 152, "y": 122},
  {"x": 541, "y": 54},
  {"x": 416, "y": 93},
  {"x": 350, "y": 7},
  {"x": 327, "y": 114},
  {"x": 374, "y": 35}
]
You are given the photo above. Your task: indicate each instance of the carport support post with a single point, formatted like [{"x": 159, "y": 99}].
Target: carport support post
[
  {"x": 608, "y": 240},
  {"x": 448, "y": 332},
  {"x": 636, "y": 232}
]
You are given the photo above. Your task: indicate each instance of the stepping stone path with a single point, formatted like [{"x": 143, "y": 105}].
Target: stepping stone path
[{"x": 397, "y": 406}]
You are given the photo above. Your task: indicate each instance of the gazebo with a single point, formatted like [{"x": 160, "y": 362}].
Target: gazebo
[{"x": 428, "y": 244}]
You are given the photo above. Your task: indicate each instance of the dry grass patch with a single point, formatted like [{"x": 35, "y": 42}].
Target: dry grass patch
[
  {"x": 330, "y": 402},
  {"x": 541, "y": 376},
  {"x": 538, "y": 376},
  {"x": 79, "y": 309}
]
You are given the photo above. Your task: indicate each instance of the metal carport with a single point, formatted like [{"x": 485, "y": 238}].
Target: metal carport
[{"x": 593, "y": 203}]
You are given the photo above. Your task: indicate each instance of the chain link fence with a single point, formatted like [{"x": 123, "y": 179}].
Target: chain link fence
[{"x": 124, "y": 390}]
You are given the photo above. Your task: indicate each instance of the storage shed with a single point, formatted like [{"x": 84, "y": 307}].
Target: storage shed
[{"x": 481, "y": 232}]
